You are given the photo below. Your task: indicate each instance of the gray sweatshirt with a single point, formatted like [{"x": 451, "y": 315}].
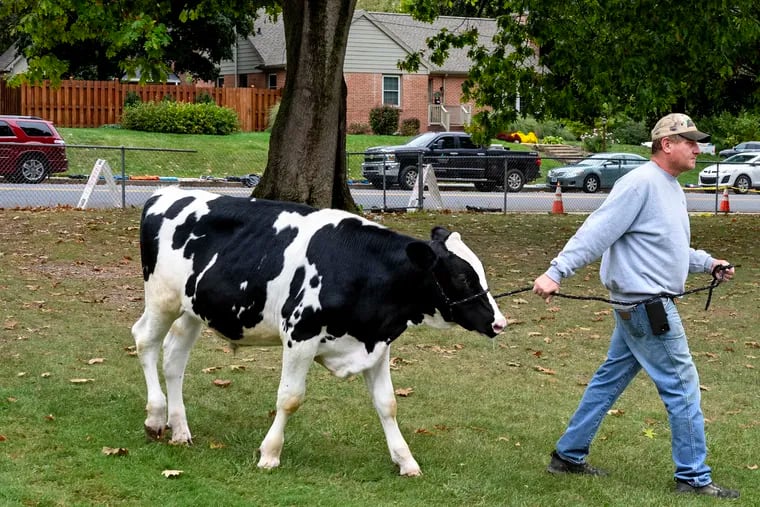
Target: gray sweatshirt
[{"x": 642, "y": 233}]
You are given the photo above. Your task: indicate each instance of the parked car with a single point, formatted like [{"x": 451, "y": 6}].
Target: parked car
[
  {"x": 454, "y": 157},
  {"x": 600, "y": 170},
  {"x": 30, "y": 149},
  {"x": 740, "y": 148},
  {"x": 740, "y": 172}
]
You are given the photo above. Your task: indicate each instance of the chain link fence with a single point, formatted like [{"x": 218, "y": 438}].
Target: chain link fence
[{"x": 103, "y": 176}]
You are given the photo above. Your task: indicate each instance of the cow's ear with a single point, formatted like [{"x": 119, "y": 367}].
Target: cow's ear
[
  {"x": 439, "y": 233},
  {"x": 421, "y": 255}
]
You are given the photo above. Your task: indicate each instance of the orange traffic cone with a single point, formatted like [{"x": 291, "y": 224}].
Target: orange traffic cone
[
  {"x": 724, "y": 206},
  {"x": 557, "y": 207}
]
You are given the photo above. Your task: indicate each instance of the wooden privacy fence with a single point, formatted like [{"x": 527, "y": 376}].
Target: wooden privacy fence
[{"x": 95, "y": 103}]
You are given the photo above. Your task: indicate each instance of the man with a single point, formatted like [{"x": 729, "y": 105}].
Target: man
[{"x": 642, "y": 234}]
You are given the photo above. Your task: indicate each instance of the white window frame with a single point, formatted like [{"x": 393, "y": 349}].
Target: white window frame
[{"x": 397, "y": 90}]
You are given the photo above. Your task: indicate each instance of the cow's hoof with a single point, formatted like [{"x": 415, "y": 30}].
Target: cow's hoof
[
  {"x": 155, "y": 433},
  {"x": 268, "y": 463},
  {"x": 410, "y": 471}
]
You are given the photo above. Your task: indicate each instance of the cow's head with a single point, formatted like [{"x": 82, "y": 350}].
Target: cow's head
[{"x": 459, "y": 281}]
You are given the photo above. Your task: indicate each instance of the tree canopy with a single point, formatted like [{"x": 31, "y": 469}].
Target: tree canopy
[
  {"x": 586, "y": 59},
  {"x": 103, "y": 40}
]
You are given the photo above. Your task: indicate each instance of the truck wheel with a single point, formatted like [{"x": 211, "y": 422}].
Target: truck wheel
[
  {"x": 591, "y": 184},
  {"x": 485, "y": 186},
  {"x": 408, "y": 177},
  {"x": 515, "y": 180}
]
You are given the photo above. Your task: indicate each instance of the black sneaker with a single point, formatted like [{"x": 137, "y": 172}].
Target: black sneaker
[
  {"x": 711, "y": 489},
  {"x": 562, "y": 466}
]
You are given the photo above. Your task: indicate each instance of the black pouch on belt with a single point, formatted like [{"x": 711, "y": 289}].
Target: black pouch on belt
[{"x": 658, "y": 318}]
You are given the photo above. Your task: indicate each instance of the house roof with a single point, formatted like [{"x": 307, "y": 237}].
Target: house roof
[
  {"x": 268, "y": 38},
  {"x": 8, "y": 59}
]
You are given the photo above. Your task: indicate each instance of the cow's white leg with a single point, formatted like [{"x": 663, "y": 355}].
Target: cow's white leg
[
  {"x": 148, "y": 332},
  {"x": 378, "y": 379},
  {"x": 296, "y": 362},
  {"x": 178, "y": 343}
]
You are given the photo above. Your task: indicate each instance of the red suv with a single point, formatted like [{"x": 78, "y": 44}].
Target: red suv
[{"x": 30, "y": 149}]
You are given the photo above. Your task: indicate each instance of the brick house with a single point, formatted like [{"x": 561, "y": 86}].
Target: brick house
[{"x": 376, "y": 42}]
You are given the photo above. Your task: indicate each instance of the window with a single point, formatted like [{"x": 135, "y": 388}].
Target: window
[
  {"x": 5, "y": 130},
  {"x": 242, "y": 80},
  {"x": 35, "y": 129},
  {"x": 466, "y": 142},
  {"x": 272, "y": 81},
  {"x": 391, "y": 91}
]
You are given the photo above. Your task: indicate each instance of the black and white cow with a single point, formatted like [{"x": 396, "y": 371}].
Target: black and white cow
[{"x": 327, "y": 285}]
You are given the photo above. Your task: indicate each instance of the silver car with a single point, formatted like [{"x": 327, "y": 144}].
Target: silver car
[{"x": 600, "y": 170}]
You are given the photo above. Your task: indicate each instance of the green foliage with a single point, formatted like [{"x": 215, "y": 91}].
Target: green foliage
[
  {"x": 180, "y": 118},
  {"x": 728, "y": 130},
  {"x": 132, "y": 99},
  {"x": 103, "y": 40},
  {"x": 410, "y": 127},
  {"x": 628, "y": 131},
  {"x": 204, "y": 97},
  {"x": 552, "y": 140},
  {"x": 384, "y": 120}
]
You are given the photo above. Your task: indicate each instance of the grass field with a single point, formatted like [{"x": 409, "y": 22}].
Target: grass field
[
  {"x": 236, "y": 154},
  {"x": 481, "y": 418}
]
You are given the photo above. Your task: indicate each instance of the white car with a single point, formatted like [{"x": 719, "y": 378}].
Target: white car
[{"x": 740, "y": 172}]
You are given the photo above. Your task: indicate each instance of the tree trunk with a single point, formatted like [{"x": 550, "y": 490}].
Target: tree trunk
[{"x": 307, "y": 149}]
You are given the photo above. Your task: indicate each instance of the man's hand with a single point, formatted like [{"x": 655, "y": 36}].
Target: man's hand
[
  {"x": 721, "y": 274},
  {"x": 545, "y": 287}
]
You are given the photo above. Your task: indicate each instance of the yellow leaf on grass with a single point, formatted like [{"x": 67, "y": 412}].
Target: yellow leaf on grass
[
  {"x": 649, "y": 433},
  {"x": 81, "y": 380},
  {"x": 171, "y": 473},
  {"x": 752, "y": 467},
  {"x": 616, "y": 412},
  {"x": 404, "y": 391},
  {"x": 96, "y": 360},
  {"x": 211, "y": 369}
]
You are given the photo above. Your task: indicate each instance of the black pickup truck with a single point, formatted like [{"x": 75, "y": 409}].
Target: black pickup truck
[{"x": 454, "y": 157}]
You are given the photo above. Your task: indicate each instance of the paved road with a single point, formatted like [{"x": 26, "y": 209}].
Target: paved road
[{"x": 454, "y": 198}]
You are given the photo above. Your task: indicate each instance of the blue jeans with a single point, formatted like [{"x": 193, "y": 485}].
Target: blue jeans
[{"x": 667, "y": 360}]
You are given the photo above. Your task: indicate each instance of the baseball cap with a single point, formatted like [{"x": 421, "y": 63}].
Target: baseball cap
[{"x": 678, "y": 123}]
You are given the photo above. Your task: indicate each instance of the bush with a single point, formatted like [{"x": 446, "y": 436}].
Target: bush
[
  {"x": 410, "y": 127},
  {"x": 628, "y": 131},
  {"x": 384, "y": 120},
  {"x": 204, "y": 97},
  {"x": 180, "y": 118},
  {"x": 728, "y": 130},
  {"x": 359, "y": 128},
  {"x": 132, "y": 99},
  {"x": 544, "y": 128},
  {"x": 553, "y": 140}
]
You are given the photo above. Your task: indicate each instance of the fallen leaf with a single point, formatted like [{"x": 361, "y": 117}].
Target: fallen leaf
[
  {"x": 2, "y": 438},
  {"x": 81, "y": 380},
  {"x": 50, "y": 417},
  {"x": 21, "y": 374},
  {"x": 45, "y": 374},
  {"x": 404, "y": 391},
  {"x": 538, "y": 353},
  {"x": 520, "y": 301},
  {"x": 171, "y": 473},
  {"x": 750, "y": 467},
  {"x": 534, "y": 333},
  {"x": 222, "y": 383},
  {"x": 423, "y": 431},
  {"x": 754, "y": 345},
  {"x": 215, "y": 445},
  {"x": 10, "y": 324},
  {"x": 649, "y": 433},
  {"x": 703, "y": 387},
  {"x": 616, "y": 412},
  {"x": 115, "y": 451},
  {"x": 544, "y": 370},
  {"x": 96, "y": 360},
  {"x": 237, "y": 367},
  {"x": 211, "y": 369}
]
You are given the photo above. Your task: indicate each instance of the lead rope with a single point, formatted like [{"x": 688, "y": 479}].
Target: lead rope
[{"x": 716, "y": 280}]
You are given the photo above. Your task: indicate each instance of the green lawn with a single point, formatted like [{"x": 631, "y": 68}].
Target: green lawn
[{"x": 481, "y": 416}]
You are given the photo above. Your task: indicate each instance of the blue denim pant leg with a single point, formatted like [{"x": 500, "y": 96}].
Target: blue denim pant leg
[
  {"x": 667, "y": 360},
  {"x": 609, "y": 381}
]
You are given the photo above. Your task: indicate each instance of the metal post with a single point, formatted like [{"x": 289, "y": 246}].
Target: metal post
[
  {"x": 385, "y": 194},
  {"x": 421, "y": 183},
  {"x": 506, "y": 188},
  {"x": 717, "y": 188},
  {"x": 123, "y": 178}
]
